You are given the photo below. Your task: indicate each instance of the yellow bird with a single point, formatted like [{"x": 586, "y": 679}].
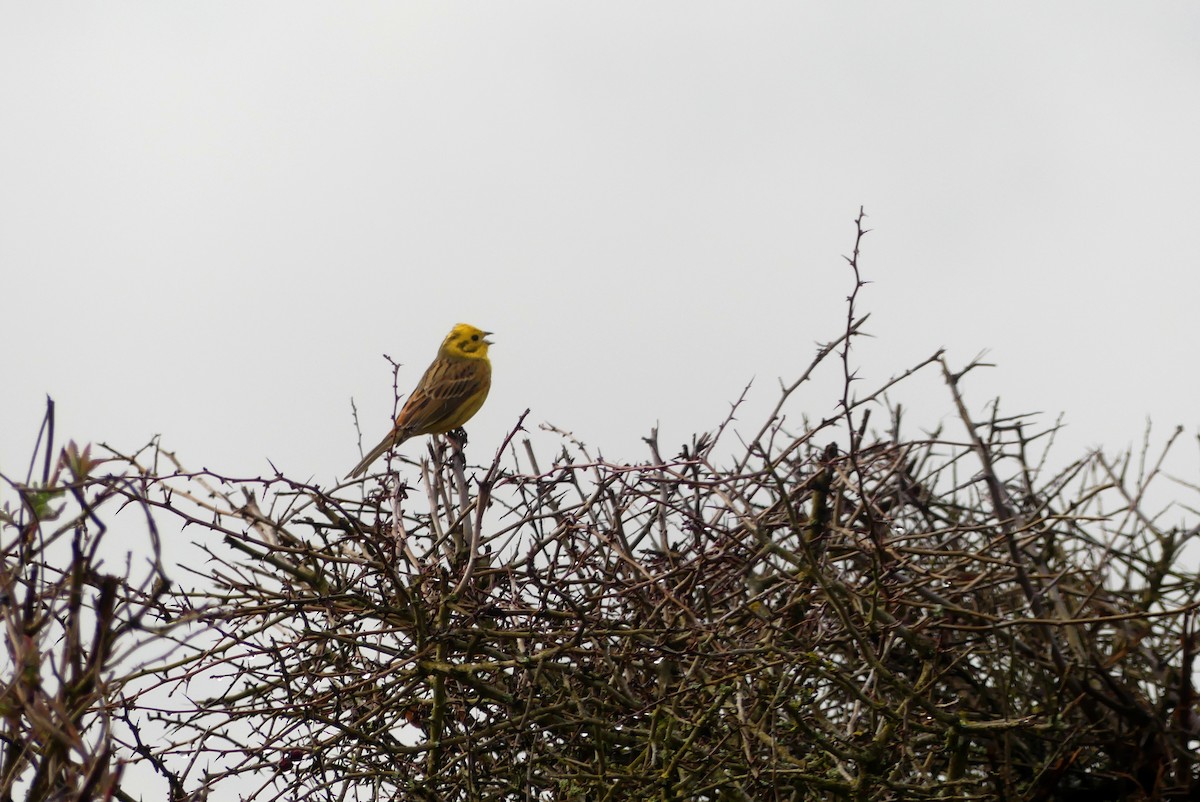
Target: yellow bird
[{"x": 452, "y": 390}]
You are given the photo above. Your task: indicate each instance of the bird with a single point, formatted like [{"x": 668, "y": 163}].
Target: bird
[{"x": 450, "y": 392}]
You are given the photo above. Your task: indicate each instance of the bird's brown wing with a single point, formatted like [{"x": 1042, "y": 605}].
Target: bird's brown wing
[{"x": 436, "y": 404}]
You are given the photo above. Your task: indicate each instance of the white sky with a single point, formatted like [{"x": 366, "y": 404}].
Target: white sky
[{"x": 215, "y": 217}]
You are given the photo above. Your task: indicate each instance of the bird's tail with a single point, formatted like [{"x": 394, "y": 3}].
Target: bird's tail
[{"x": 374, "y": 454}]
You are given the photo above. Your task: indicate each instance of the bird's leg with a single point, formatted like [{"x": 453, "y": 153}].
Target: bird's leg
[{"x": 457, "y": 439}]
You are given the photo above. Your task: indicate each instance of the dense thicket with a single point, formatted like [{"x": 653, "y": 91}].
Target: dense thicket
[{"x": 838, "y": 611}]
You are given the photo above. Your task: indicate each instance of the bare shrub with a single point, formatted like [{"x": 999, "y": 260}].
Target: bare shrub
[
  {"x": 73, "y": 618},
  {"x": 836, "y": 612}
]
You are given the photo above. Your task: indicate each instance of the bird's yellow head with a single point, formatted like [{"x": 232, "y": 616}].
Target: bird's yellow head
[{"x": 466, "y": 341}]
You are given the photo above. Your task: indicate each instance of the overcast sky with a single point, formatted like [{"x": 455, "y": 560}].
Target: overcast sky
[{"x": 215, "y": 217}]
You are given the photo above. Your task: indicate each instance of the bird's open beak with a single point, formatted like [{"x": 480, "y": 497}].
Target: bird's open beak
[{"x": 486, "y": 334}]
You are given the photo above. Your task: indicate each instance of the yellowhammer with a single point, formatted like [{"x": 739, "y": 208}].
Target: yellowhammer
[{"x": 451, "y": 391}]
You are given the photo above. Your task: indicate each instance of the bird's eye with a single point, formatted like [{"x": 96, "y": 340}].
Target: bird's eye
[{"x": 474, "y": 336}]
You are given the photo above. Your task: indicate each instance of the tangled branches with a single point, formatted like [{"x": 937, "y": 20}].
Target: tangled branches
[
  {"x": 903, "y": 621},
  {"x": 836, "y": 613},
  {"x": 73, "y": 627}
]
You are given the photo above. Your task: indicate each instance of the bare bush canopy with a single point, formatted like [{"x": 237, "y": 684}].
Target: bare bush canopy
[{"x": 838, "y": 610}]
